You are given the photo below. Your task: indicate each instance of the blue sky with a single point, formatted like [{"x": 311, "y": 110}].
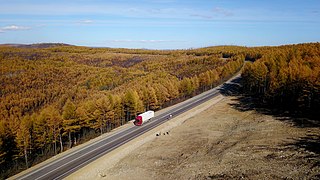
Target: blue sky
[{"x": 160, "y": 24}]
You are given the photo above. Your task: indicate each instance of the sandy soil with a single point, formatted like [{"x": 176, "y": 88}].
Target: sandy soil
[{"x": 214, "y": 141}]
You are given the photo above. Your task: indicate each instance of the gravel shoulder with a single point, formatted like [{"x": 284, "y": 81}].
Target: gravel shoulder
[{"x": 214, "y": 141}]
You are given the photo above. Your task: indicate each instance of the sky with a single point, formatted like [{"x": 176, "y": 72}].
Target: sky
[{"x": 160, "y": 24}]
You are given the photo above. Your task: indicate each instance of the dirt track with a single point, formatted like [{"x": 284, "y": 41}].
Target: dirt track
[{"x": 218, "y": 143}]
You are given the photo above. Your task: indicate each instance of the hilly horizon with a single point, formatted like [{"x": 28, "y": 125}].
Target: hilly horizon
[
  {"x": 71, "y": 71},
  {"x": 48, "y": 45},
  {"x": 83, "y": 92}
]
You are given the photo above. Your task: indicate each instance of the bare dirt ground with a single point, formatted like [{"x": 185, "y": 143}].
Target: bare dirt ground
[{"x": 221, "y": 142}]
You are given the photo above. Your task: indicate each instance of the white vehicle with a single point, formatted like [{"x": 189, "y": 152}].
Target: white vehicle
[{"x": 144, "y": 117}]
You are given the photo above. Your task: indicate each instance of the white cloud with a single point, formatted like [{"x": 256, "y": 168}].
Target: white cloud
[
  {"x": 13, "y": 28},
  {"x": 86, "y": 21},
  {"x": 144, "y": 41}
]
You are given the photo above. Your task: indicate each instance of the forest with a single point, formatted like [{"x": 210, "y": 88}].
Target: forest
[
  {"x": 286, "y": 78},
  {"x": 55, "y": 97}
]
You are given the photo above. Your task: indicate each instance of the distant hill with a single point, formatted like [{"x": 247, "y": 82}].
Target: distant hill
[{"x": 38, "y": 45}]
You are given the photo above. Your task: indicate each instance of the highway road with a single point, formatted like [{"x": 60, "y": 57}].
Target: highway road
[{"x": 65, "y": 165}]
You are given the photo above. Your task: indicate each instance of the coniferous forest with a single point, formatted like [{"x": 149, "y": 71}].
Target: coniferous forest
[
  {"x": 54, "y": 97},
  {"x": 287, "y": 78}
]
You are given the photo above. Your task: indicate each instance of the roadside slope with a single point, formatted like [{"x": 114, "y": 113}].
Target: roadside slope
[{"x": 220, "y": 142}]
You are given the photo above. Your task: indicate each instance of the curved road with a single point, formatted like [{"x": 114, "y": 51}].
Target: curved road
[{"x": 71, "y": 162}]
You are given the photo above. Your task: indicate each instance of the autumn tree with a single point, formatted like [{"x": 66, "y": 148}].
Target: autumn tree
[
  {"x": 186, "y": 87},
  {"x": 7, "y": 145},
  {"x": 285, "y": 78},
  {"x": 54, "y": 122},
  {"x": 118, "y": 110},
  {"x": 70, "y": 121},
  {"x": 103, "y": 113},
  {"x": 149, "y": 98},
  {"x": 132, "y": 104},
  {"x": 41, "y": 132},
  {"x": 68, "y": 92},
  {"x": 23, "y": 137},
  {"x": 86, "y": 114}
]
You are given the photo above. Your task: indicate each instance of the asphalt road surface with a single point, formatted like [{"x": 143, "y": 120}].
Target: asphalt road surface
[{"x": 65, "y": 165}]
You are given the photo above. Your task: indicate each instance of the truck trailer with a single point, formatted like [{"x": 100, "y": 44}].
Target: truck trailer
[{"x": 144, "y": 117}]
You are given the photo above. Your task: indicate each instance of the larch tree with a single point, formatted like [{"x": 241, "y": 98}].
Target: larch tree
[
  {"x": 100, "y": 114},
  {"x": 54, "y": 122},
  {"x": 162, "y": 94},
  {"x": 118, "y": 110},
  {"x": 70, "y": 121},
  {"x": 41, "y": 132},
  {"x": 104, "y": 113},
  {"x": 172, "y": 86},
  {"x": 186, "y": 87},
  {"x": 7, "y": 144},
  {"x": 132, "y": 104},
  {"x": 153, "y": 103},
  {"x": 85, "y": 113},
  {"x": 149, "y": 98},
  {"x": 204, "y": 80},
  {"x": 23, "y": 136},
  {"x": 110, "y": 112}
]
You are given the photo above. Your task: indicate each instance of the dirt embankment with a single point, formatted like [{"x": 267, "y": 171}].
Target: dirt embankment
[{"x": 221, "y": 142}]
